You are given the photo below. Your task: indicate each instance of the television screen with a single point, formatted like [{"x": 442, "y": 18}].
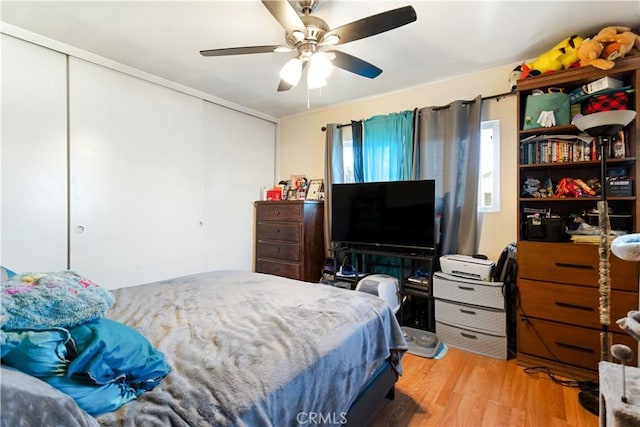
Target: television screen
[{"x": 393, "y": 214}]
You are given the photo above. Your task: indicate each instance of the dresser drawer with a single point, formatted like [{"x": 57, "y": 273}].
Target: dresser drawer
[
  {"x": 284, "y": 251},
  {"x": 476, "y": 318},
  {"x": 477, "y": 342},
  {"x": 476, "y": 292},
  {"x": 576, "y": 305},
  {"x": 572, "y": 263},
  {"x": 569, "y": 344},
  {"x": 284, "y": 269},
  {"x": 279, "y": 211},
  {"x": 290, "y": 232}
]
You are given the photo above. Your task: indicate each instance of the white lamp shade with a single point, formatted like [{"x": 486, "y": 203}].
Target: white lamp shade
[
  {"x": 291, "y": 71},
  {"x": 320, "y": 68},
  {"x": 597, "y": 124}
]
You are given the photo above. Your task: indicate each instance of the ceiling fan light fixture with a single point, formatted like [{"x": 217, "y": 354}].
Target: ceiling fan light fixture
[
  {"x": 330, "y": 40},
  {"x": 321, "y": 64},
  {"x": 282, "y": 49},
  {"x": 315, "y": 81},
  {"x": 291, "y": 71}
]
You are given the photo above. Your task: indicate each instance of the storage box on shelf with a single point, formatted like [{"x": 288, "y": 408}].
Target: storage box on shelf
[{"x": 558, "y": 323}]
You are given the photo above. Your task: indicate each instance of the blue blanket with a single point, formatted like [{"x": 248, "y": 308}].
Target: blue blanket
[
  {"x": 48, "y": 300},
  {"x": 102, "y": 364}
]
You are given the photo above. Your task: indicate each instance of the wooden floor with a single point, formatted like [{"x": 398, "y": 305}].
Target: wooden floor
[{"x": 466, "y": 389}]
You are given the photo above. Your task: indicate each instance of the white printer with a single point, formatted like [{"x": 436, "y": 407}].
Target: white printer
[{"x": 467, "y": 266}]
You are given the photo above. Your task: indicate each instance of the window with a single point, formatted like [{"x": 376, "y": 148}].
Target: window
[
  {"x": 347, "y": 160},
  {"x": 347, "y": 155},
  {"x": 489, "y": 180}
]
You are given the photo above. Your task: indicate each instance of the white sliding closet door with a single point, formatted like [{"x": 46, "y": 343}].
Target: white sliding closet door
[
  {"x": 34, "y": 157},
  {"x": 240, "y": 159},
  {"x": 137, "y": 178}
]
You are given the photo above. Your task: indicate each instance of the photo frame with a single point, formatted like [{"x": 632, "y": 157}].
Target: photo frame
[
  {"x": 292, "y": 194},
  {"x": 316, "y": 186}
]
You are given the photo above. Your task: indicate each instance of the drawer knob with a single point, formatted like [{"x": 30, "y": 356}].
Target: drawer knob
[
  {"x": 576, "y": 266},
  {"x": 277, "y": 212},
  {"x": 575, "y": 347},
  {"x": 277, "y": 230},
  {"x": 277, "y": 250},
  {"x": 573, "y": 306},
  {"x": 473, "y": 337}
]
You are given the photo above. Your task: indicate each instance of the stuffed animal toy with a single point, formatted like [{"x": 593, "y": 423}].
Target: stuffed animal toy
[
  {"x": 589, "y": 53},
  {"x": 617, "y": 41},
  {"x": 560, "y": 57},
  {"x": 609, "y": 44}
]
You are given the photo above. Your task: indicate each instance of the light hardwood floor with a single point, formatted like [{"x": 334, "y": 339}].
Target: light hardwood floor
[{"x": 466, "y": 389}]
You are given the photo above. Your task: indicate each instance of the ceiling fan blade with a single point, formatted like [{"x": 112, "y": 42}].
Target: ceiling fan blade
[
  {"x": 241, "y": 50},
  {"x": 374, "y": 24},
  {"x": 355, "y": 65},
  {"x": 284, "y": 86},
  {"x": 286, "y": 15}
]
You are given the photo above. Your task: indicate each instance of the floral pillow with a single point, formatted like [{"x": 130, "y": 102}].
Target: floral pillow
[{"x": 47, "y": 300}]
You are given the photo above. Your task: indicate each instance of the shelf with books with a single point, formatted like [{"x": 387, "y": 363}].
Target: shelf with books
[{"x": 549, "y": 159}]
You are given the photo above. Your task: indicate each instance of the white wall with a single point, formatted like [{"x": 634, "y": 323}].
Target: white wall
[{"x": 301, "y": 140}]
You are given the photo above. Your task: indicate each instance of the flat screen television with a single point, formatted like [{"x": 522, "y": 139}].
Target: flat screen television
[{"x": 394, "y": 214}]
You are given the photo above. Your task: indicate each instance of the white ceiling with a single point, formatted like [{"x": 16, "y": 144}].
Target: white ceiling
[{"x": 449, "y": 38}]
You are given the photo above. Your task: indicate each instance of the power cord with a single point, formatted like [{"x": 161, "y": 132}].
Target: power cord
[{"x": 588, "y": 385}]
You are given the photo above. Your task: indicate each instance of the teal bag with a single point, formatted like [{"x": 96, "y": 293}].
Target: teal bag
[{"x": 539, "y": 103}]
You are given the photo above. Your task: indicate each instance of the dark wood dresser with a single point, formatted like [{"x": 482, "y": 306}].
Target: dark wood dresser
[{"x": 290, "y": 239}]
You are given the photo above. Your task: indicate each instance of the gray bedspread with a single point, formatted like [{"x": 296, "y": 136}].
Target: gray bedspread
[{"x": 253, "y": 349}]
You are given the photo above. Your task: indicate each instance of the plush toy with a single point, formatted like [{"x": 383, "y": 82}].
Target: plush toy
[
  {"x": 609, "y": 44},
  {"x": 589, "y": 53},
  {"x": 560, "y": 57},
  {"x": 617, "y": 41}
]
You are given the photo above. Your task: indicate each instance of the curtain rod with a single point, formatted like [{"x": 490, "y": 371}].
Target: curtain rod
[
  {"x": 484, "y": 98},
  {"x": 341, "y": 125}
]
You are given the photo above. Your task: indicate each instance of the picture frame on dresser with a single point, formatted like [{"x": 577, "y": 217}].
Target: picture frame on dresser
[{"x": 316, "y": 186}]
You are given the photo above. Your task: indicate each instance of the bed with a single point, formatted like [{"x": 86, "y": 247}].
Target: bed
[{"x": 244, "y": 349}]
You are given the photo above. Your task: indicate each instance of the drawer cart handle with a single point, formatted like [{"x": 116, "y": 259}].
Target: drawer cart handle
[
  {"x": 573, "y": 306},
  {"x": 473, "y": 337},
  {"x": 465, "y": 288},
  {"x": 467, "y": 312},
  {"x": 575, "y": 347},
  {"x": 577, "y": 266}
]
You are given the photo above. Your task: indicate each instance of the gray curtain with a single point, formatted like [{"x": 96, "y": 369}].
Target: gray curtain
[
  {"x": 333, "y": 173},
  {"x": 449, "y": 152}
]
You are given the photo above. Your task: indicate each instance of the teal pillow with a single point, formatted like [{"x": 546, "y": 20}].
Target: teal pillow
[{"x": 37, "y": 353}]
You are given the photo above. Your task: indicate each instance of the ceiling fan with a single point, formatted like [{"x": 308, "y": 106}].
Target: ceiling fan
[{"x": 311, "y": 37}]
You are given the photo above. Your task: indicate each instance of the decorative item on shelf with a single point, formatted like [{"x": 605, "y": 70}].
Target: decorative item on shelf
[
  {"x": 315, "y": 188},
  {"x": 603, "y": 125},
  {"x": 274, "y": 194},
  {"x": 547, "y": 109}
]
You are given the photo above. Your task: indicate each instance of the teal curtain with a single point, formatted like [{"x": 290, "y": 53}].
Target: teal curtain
[{"x": 387, "y": 148}]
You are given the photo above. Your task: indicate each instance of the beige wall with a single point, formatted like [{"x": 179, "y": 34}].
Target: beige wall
[{"x": 301, "y": 140}]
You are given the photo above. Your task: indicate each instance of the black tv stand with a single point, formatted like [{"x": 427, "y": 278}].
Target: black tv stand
[{"x": 413, "y": 267}]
